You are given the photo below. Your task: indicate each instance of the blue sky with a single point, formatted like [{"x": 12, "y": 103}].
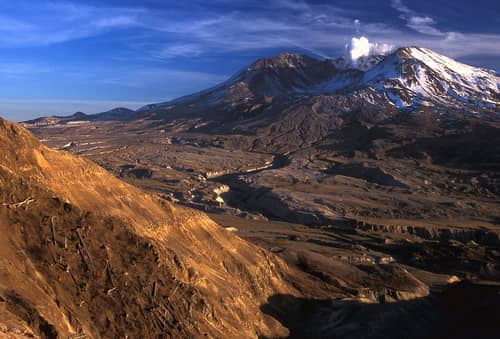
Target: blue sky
[{"x": 58, "y": 57}]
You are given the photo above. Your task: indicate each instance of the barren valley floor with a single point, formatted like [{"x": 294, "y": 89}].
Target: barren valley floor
[{"x": 368, "y": 224}]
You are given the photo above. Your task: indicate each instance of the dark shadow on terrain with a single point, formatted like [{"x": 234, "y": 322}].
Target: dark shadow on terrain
[
  {"x": 464, "y": 310},
  {"x": 478, "y": 148},
  {"x": 448, "y": 258},
  {"x": 354, "y": 136},
  {"x": 15, "y": 304},
  {"x": 370, "y": 174}
]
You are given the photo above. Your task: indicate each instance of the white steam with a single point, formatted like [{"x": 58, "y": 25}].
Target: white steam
[{"x": 362, "y": 47}]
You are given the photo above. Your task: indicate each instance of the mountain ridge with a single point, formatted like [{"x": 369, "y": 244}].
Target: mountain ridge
[
  {"x": 347, "y": 76},
  {"x": 407, "y": 78}
]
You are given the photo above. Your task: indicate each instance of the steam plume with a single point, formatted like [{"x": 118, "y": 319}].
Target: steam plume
[{"x": 362, "y": 47}]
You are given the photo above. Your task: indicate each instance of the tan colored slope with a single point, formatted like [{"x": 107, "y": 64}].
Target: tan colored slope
[{"x": 82, "y": 252}]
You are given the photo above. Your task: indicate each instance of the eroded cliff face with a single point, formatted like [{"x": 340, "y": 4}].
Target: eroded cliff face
[{"x": 84, "y": 253}]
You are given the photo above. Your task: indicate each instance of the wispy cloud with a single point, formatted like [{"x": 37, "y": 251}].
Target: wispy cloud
[
  {"x": 174, "y": 50},
  {"x": 155, "y": 76},
  {"x": 420, "y": 23},
  {"x": 318, "y": 28},
  {"x": 321, "y": 29},
  {"x": 454, "y": 44},
  {"x": 182, "y": 31},
  {"x": 42, "y": 23},
  {"x": 18, "y": 69},
  {"x": 13, "y": 25}
]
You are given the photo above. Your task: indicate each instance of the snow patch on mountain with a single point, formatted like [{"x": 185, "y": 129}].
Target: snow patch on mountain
[
  {"x": 419, "y": 74},
  {"x": 468, "y": 77}
]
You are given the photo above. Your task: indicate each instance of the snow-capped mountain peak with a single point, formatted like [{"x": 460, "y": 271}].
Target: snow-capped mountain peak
[
  {"x": 415, "y": 75},
  {"x": 407, "y": 78}
]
